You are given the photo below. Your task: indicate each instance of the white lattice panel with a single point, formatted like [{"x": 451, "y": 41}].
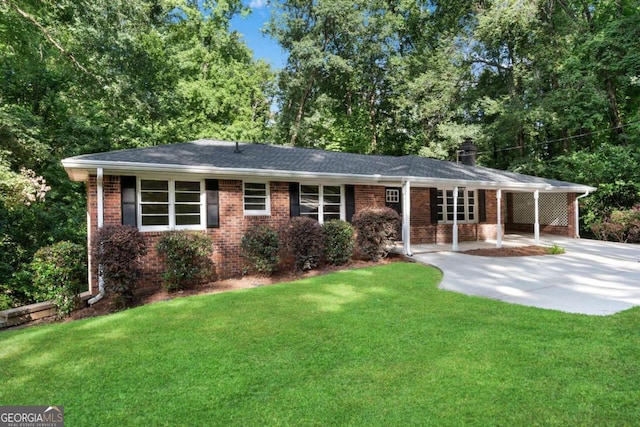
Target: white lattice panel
[{"x": 552, "y": 206}]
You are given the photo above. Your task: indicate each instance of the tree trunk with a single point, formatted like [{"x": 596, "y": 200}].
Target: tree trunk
[
  {"x": 372, "y": 118},
  {"x": 300, "y": 112},
  {"x": 616, "y": 121}
]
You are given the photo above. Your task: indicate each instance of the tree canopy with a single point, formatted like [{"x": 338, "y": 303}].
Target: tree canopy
[{"x": 84, "y": 76}]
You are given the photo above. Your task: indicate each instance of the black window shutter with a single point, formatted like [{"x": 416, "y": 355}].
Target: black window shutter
[
  {"x": 482, "y": 206},
  {"x": 433, "y": 204},
  {"x": 129, "y": 205},
  {"x": 213, "y": 206},
  {"x": 294, "y": 199},
  {"x": 350, "y": 202}
]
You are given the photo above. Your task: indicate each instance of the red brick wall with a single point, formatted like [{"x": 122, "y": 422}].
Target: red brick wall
[
  {"x": 369, "y": 196},
  {"x": 423, "y": 231},
  {"x": 571, "y": 207},
  {"x": 112, "y": 211},
  {"x": 226, "y": 239},
  {"x": 234, "y": 224}
]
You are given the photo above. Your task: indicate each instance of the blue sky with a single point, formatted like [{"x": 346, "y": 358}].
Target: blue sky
[{"x": 263, "y": 47}]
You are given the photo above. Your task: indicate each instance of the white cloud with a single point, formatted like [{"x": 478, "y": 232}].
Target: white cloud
[{"x": 257, "y": 4}]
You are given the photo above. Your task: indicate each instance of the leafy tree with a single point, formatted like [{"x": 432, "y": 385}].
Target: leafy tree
[
  {"x": 337, "y": 87},
  {"x": 82, "y": 77}
]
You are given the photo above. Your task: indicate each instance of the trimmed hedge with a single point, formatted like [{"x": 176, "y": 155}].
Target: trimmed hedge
[
  {"x": 117, "y": 250},
  {"x": 302, "y": 238},
  {"x": 377, "y": 231},
  {"x": 187, "y": 258},
  {"x": 260, "y": 246},
  {"x": 338, "y": 241}
]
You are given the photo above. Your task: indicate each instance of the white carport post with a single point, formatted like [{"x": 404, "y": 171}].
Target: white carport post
[
  {"x": 454, "y": 246},
  {"x": 406, "y": 218},
  {"x": 499, "y": 221},
  {"x": 536, "y": 223}
]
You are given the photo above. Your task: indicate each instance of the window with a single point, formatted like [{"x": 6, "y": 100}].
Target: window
[
  {"x": 393, "y": 195},
  {"x": 171, "y": 204},
  {"x": 321, "y": 202},
  {"x": 256, "y": 198},
  {"x": 466, "y": 206}
]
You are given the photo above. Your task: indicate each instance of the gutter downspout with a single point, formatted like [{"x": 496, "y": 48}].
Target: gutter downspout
[
  {"x": 100, "y": 197},
  {"x": 577, "y": 213}
]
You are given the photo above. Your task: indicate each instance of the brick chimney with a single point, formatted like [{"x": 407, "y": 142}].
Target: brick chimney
[{"x": 468, "y": 152}]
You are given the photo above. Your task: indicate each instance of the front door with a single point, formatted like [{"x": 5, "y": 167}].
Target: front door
[{"x": 393, "y": 200}]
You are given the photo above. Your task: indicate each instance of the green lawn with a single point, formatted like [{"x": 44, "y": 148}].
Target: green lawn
[{"x": 376, "y": 346}]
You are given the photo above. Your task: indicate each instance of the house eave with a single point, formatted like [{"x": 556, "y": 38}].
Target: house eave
[{"x": 80, "y": 170}]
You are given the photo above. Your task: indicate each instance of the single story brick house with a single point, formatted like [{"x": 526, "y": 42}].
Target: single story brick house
[{"x": 223, "y": 188}]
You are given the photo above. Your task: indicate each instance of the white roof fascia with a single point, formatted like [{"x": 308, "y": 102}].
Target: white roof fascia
[
  {"x": 79, "y": 170},
  {"x": 507, "y": 186}
]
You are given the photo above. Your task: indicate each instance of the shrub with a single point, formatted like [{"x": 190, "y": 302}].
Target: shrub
[
  {"x": 187, "y": 259},
  {"x": 260, "y": 246},
  {"x": 303, "y": 239},
  {"x": 377, "y": 231},
  {"x": 555, "y": 250},
  {"x": 6, "y": 302},
  {"x": 60, "y": 274},
  {"x": 338, "y": 241},
  {"x": 116, "y": 249},
  {"x": 622, "y": 225},
  {"x": 608, "y": 230}
]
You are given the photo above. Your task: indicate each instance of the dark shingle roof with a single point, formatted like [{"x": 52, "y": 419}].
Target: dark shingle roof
[{"x": 215, "y": 156}]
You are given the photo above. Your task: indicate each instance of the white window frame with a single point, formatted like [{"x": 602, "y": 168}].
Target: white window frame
[
  {"x": 256, "y": 212},
  {"x": 343, "y": 208},
  {"x": 463, "y": 193},
  {"x": 172, "y": 204},
  {"x": 392, "y": 195}
]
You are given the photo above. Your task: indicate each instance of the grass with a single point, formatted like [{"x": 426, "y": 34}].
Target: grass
[
  {"x": 555, "y": 250},
  {"x": 376, "y": 346}
]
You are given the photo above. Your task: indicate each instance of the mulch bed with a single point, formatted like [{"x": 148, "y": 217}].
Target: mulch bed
[
  {"x": 109, "y": 304},
  {"x": 509, "y": 251}
]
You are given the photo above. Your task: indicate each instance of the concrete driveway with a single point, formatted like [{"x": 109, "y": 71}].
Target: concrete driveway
[{"x": 592, "y": 277}]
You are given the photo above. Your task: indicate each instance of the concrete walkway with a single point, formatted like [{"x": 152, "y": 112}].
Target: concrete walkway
[{"x": 592, "y": 277}]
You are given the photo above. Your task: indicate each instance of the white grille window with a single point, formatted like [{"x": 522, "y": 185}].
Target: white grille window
[
  {"x": 170, "y": 204},
  {"x": 466, "y": 206},
  {"x": 321, "y": 202},
  {"x": 256, "y": 198},
  {"x": 393, "y": 195}
]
